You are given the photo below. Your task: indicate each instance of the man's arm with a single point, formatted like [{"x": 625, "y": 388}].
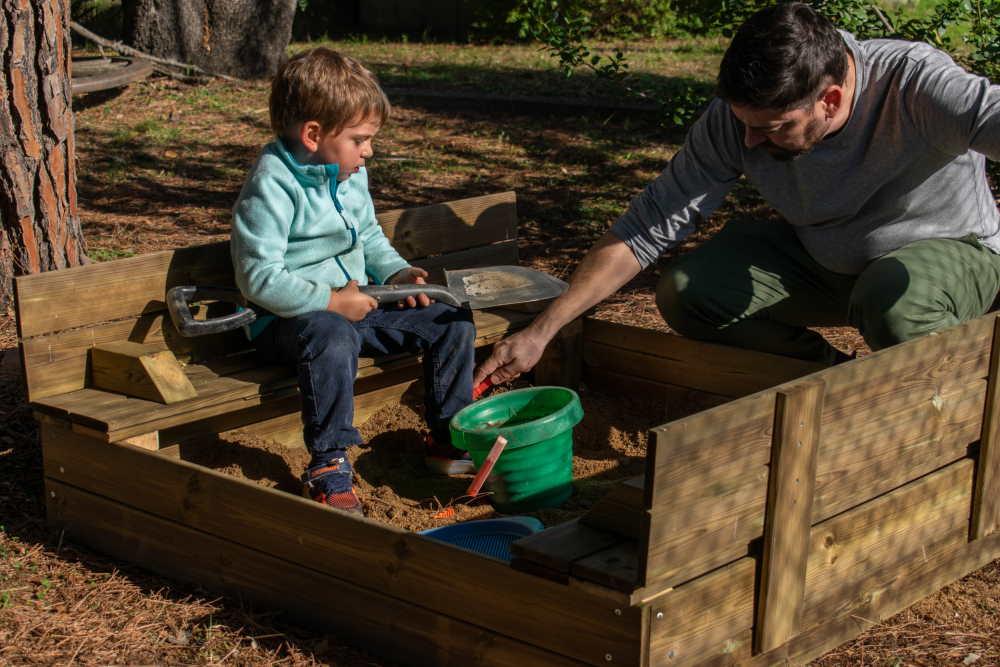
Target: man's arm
[{"x": 606, "y": 267}]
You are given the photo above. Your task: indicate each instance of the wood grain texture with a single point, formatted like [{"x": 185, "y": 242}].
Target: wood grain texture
[
  {"x": 676, "y": 360},
  {"x": 393, "y": 562},
  {"x": 709, "y": 487},
  {"x": 380, "y": 623},
  {"x": 986, "y": 501},
  {"x": 787, "y": 518},
  {"x": 141, "y": 371},
  {"x": 705, "y": 619}
]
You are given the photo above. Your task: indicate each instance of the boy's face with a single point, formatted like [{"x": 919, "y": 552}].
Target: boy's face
[{"x": 348, "y": 148}]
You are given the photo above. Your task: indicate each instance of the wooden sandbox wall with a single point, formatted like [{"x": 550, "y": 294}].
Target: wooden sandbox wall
[
  {"x": 770, "y": 528},
  {"x": 784, "y": 523}
]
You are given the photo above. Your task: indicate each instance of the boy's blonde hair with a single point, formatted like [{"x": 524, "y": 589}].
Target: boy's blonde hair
[{"x": 325, "y": 86}]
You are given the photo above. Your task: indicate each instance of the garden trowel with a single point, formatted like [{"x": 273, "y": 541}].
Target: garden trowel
[{"x": 484, "y": 287}]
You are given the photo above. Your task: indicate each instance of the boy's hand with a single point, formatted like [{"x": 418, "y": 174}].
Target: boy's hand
[
  {"x": 350, "y": 302},
  {"x": 415, "y": 276}
]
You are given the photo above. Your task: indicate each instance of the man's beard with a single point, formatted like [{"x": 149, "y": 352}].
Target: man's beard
[{"x": 814, "y": 133}]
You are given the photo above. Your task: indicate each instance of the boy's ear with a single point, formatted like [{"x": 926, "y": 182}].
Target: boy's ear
[{"x": 310, "y": 134}]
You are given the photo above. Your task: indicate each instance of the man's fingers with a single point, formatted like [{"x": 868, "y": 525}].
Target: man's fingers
[{"x": 485, "y": 369}]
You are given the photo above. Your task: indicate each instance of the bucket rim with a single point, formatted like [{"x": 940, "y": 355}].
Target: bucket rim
[{"x": 512, "y": 433}]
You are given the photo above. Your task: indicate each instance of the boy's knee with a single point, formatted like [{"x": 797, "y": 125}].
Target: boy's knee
[{"x": 329, "y": 334}]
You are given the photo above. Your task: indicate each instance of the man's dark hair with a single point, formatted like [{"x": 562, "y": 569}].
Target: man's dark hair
[{"x": 781, "y": 58}]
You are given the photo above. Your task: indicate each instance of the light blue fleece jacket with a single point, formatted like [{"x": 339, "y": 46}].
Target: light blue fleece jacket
[{"x": 297, "y": 233}]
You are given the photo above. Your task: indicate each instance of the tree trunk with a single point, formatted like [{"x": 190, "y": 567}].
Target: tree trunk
[
  {"x": 41, "y": 228},
  {"x": 242, "y": 38}
]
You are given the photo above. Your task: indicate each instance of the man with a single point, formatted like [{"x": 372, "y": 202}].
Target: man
[{"x": 872, "y": 152}]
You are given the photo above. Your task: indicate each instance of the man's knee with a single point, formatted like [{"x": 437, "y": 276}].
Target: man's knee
[
  {"x": 889, "y": 306},
  {"x": 681, "y": 303}
]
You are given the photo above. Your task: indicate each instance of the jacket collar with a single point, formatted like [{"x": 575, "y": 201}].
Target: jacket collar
[{"x": 309, "y": 175}]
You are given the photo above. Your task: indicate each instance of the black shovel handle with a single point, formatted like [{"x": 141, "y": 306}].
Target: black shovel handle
[
  {"x": 178, "y": 303},
  {"x": 388, "y": 295}
]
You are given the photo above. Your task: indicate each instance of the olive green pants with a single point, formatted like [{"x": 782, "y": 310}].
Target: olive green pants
[{"x": 754, "y": 285}]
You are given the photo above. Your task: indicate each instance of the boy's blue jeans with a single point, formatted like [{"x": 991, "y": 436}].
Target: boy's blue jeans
[{"x": 325, "y": 347}]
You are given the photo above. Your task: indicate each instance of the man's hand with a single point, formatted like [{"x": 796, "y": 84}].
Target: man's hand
[
  {"x": 512, "y": 356},
  {"x": 350, "y": 302},
  {"x": 411, "y": 275},
  {"x": 609, "y": 265}
]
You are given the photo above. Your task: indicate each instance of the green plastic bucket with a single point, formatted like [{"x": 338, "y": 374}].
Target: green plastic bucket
[{"x": 536, "y": 468}]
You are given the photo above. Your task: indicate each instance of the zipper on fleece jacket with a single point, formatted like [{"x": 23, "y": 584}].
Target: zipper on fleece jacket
[{"x": 332, "y": 171}]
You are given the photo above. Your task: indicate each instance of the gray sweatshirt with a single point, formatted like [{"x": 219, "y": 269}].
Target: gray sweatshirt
[{"x": 908, "y": 165}]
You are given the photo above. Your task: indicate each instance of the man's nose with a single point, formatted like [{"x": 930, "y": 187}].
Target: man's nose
[{"x": 752, "y": 137}]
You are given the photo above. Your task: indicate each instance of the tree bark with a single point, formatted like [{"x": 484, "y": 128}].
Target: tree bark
[
  {"x": 242, "y": 38},
  {"x": 41, "y": 227}
]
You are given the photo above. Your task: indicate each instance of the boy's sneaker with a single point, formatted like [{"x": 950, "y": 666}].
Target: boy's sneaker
[
  {"x": 330, "y": 484},
  {"x": 444, "y": 459}
]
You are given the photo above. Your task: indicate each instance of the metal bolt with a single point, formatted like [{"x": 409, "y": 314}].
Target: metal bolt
[
  {"x": 618, "y": 612},
  {"x": 608, "y": 657},
  {"x": 659, "y": 615},
  {"x": 670, "y": 653},
  {"x": 52, "y": 493},
  {"x": 62, "y": 470}
]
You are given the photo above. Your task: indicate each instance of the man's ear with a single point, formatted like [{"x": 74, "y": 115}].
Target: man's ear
[
  {"x": 832, "y": 98},
  {"x": 310, "y": 134}
]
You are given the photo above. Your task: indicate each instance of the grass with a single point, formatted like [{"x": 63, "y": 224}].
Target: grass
[{"x": 656, "y": 66}]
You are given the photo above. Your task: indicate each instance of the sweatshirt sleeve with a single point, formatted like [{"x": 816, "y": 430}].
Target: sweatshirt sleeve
[
  {"x": 692, "y": 186},
  {"x": 262, "y": 219},
  {"x": 381, "y": 259},
  {"x": 955, "y": 110}
]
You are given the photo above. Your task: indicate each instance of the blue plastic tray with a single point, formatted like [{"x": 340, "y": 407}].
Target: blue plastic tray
[{"x": 491, "y": 537}]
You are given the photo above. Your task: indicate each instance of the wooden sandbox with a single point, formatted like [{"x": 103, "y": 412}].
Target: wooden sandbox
[{"x": 766, "y": 530}]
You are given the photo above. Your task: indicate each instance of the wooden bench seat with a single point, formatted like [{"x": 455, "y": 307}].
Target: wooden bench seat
[
  {"x": 227, "y": 387},
  {"x": 62, "y": 315}
]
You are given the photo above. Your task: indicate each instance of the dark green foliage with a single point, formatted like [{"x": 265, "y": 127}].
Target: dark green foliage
[{"x": 598, "y": 19}]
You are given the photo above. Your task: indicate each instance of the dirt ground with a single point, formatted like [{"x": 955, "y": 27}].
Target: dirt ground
[{"x": 160, "y": 165}]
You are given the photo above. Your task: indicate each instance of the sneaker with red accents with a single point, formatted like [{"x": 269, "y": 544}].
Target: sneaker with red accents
[
  {"x": 444, "y": 459},
  {"x": 330, "y": 484}
]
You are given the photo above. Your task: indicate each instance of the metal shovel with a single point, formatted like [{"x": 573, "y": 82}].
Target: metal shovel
[{"x": 485, "y": 287}]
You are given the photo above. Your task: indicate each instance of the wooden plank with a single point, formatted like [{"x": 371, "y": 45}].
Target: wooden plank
[
  {"x": 986, "y": 501},
  {"x": 141, "y": 371},
  {"x": 69, "y": 298},
  {"x": 789, "y": 507},
  {"x": 150, "y": 441},
  {"x": 402, "y": 565},
  {"x": 561, "y": 363},
  {"x": 872, "y": 451},
  {"x": 705, "y": 619},
  {"x": 79, "y": 296},
  {"x": 859, "y": 550},
  {"x": 504, "y": 252},
  {"x": 457, "y": 225},
  {"x": 374, "y": 621},
  {"x": 907, "y": 582},
  {"x": 706, "y": 501},
  {"x": 622, "y": 510},
  {"x": 616, "y": 567},
  {"x": 556, "y": 548},
  {"x": 219, "y": 394},
  {"x": 676, "y": 360}
]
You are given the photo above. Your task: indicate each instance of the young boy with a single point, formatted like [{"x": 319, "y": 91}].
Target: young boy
[{"x": 304, "y": 237}]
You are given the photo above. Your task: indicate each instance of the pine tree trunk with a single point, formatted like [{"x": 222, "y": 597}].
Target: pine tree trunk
[
  {"x": 242, "y": 38},
  {"x": 41, "y": 228}
]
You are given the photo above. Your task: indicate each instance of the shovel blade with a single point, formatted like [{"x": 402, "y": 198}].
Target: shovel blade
[{"x": 494, "y": 286}]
